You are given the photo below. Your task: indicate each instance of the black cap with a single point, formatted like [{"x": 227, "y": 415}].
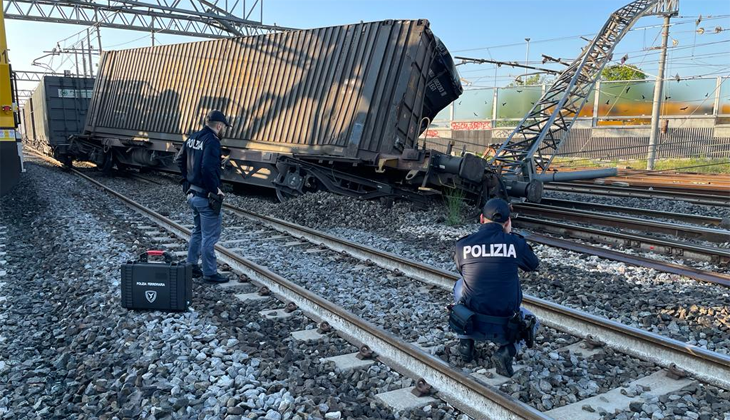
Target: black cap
[
  {"x": 216, "y": 115},
  {"x": 496, "y": 210}
]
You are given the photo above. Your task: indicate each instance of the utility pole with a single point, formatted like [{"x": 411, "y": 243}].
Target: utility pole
[
  {"x": 98, "y": 37},
  {"x": 83, "y": 56},
  {"x": 76, "y": 58},
  {"x": 527, "y": 57},
  {"x": 658, "y": 96},
  {"x": 88, "y": 42}
]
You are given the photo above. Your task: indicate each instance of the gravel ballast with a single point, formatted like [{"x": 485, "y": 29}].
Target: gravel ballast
[
  {"x": 70, "y": 351},
  {"x": 681, "y": 308},
  {"x": 418, "y": 316}
]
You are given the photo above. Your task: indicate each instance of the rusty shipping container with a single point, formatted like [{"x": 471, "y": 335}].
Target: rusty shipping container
[{"x": 357, "y": 94}]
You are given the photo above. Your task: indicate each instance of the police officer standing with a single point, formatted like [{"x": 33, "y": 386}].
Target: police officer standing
[
  {"x": 490, "y": 286},
  {"x": 199, "y": 161}
]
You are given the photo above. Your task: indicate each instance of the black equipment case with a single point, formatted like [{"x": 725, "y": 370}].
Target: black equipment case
[{"x": 166, "y": 286}]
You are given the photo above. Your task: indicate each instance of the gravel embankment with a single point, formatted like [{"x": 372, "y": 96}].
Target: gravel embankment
[
  {"x": 667, "y": 304},
  {"x": 677, "y": 307},
  {"x": 370, "y": 292},
  {"x": 696, "y": 401},
  {"x": 69, "y": 350}
]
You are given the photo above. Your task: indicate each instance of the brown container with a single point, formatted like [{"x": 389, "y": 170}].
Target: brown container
[{"x": 349, "y": 91}]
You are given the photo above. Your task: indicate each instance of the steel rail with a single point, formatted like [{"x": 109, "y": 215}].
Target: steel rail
[
  {"x": 617, "y": 221},
  {"x": 690, "y": 183},
  {"x": 686, "y": 188},
  {"x": 463, "y": 391},
  {"x": 656, "y": 245},
  {"x": 667, "y": 267},
  {"x": 704, "y": 364},
  {"x": 702, "y": 199},
  {"x": 680, "y": 217},
  {"x": 363, "y": 252},
  {"x": 698, "y": 185}
]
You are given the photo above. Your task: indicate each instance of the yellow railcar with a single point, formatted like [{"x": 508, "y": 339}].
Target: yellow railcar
[{"x": 10, "y": 154}]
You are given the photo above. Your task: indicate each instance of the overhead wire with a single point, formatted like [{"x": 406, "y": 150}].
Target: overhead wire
[
  {"x": 679, "y": 63},
  {"x": 577, "y": 37},
  {"x": 644, "y": 53}
]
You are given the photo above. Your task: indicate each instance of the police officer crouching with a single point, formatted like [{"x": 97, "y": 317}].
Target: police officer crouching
[
  {"x": 488, "y": 295},
  {"x": 199, "y": 161}
]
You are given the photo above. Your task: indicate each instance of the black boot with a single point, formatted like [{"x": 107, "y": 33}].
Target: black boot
[
  {"x": 502, "y": 360},
  {"x": 197, "y": 272},
  {"x": 466, "y": 349}
]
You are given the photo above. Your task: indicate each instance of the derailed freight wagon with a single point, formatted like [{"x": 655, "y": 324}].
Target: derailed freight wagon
[
  {"x": 56, "y": 111},
  {"x": 337, "y": 108}
]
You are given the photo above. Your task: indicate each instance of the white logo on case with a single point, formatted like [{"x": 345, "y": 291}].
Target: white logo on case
[{"x": 151, "y": 295}]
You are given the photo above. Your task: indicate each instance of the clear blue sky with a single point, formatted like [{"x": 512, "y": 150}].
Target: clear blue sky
[{"x": 467, "y": 27}]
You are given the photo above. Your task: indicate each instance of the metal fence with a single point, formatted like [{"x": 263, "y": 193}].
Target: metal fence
[{"x": 614, "y": 124}]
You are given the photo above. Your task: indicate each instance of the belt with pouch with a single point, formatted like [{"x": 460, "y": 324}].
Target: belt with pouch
[
  {"x": 488, "y": 319},
  {"x": 465, "y": 321},
  {"x": 197, "y": 191}
]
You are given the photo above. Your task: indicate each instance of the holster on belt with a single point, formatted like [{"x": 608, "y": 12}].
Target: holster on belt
[
  {"x": 215, "y": 202},
  {"x": 514, "y": 328},
  {"x": 185, "y": 185},
  {"x": 461, "y": 319},
  {"x": 522, "y": 328}
]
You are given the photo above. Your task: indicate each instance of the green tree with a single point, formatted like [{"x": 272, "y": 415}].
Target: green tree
[{"x": 622, "y": 72}]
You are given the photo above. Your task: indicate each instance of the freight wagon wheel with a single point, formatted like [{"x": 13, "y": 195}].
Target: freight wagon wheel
[
  {"x": 285, "y": 194},
  {"x": 293, "y": 181}
]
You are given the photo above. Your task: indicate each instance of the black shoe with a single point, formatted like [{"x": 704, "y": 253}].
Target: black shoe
[
  {"x": 503, "y": 362},
  {"x": 466, "y": 349},
  {"x": 197, "y": 272},
  {"x": 216, "y": 278}
]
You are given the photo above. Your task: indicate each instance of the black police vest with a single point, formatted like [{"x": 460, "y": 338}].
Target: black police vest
[
  {"x": 488, "y": 261},
  {"x": 201, "y": 160}
]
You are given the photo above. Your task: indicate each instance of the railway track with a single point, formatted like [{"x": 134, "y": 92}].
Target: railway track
[
  {"x": 718, "y": 184},
  {"x": 663, "y": 266},
  {"x": 453, "y": 385},
  {"x": 625, "y": 222},
  {"x": 692, "y": 183},
  {"x": 614, "y": 191},
  {"x": 682, "y": 270},
  {"x": 675, "y": 248},
  {"x": 683, "y": 188},
  {"x": 566, "y": 217},
  {"x": 459, "y": 389},
  {"x": 655, "y": 214}
]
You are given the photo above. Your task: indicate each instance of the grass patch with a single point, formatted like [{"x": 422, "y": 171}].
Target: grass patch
[
  {"x": 695, "y": 165},
  {"x": 454, "y": 206}
]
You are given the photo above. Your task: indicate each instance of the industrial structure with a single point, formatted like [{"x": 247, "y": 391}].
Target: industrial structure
[{"x": 198, "y": 18}]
